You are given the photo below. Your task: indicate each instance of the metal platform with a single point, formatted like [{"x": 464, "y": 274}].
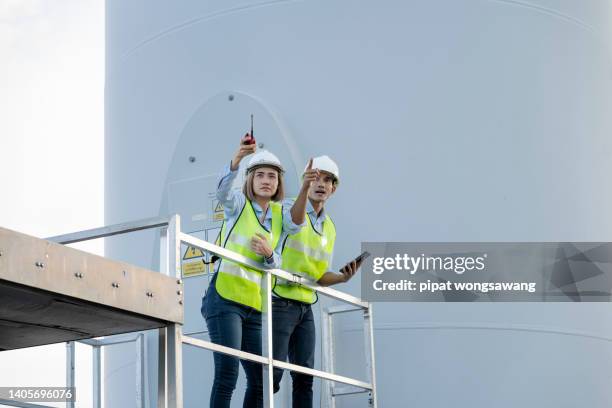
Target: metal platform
[{"x": 51, "y": 293}]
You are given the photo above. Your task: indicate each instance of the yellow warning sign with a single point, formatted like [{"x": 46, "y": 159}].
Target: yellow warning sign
[
  {"x": 218, "y": 211},
  {"x": 192, "y": 253},
  {"x": 193, "y": 268}
]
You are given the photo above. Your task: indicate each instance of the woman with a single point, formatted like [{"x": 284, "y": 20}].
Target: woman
[{"x": 232, "y": 305}]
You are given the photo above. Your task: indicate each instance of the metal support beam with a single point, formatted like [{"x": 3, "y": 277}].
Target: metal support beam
[
  {"x": 96, "y": 354},
  {"x": 145, "y": 372},
  {"x": 343, "y": 309},
  {"x": 110, "y": 230},
  {"x": 163, "y": 251},
  {"x": 276, "y": 363},
  {"x": 70, "y": 358},
  {"x": 162, "y": 400},
  {"x": 141, "y": 373},
  {"x": 111, "y": 341},
  {"x": 370, "y": 355},
  {"x": 171, "y": 356},
  {"x": 243, "y": 355},
  {"x": 321, "y": 374},
  {"x": 174, "y": 247},
  {"x": 328, "y": 357},
  {"x": 175, "y": 366},
  {"x": 340, "y": 391},
  {"x": 266, "y": 341}
]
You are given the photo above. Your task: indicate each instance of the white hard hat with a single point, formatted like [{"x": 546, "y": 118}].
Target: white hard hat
[
  {"x": 264, "y": 158},
  {"x": 324, "y": 163}
]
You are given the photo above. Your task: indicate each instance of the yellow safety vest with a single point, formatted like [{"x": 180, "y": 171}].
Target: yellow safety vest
[
  {"x": 237, "y": 282},
  {"x": 307, "y": 254}
]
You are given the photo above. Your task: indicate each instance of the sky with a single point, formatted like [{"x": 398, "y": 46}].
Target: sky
[{"x": 51, "y": 146}]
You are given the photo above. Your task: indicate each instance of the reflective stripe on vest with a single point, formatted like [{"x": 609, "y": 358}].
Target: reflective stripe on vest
[
  {"x": 307, "y": 254},
  {"x": 316, "y": 253},
  {"x": 237, "y": 282}
]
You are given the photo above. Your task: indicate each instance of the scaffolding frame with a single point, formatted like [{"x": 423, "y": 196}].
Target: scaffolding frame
[{"x": 171, "y": 337}]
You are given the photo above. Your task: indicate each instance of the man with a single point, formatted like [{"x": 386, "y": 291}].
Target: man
[{"x": 307, "y": 253}]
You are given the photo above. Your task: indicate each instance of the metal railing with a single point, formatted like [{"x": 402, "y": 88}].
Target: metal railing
[
  {"x": 171, "y": 337},
  {"x": 330, "y": 392}
]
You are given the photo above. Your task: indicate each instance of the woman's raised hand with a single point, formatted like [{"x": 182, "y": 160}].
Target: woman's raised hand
[{"x": 244, "y": 150}]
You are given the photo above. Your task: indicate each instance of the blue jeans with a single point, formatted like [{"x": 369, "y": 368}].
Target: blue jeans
[
  {"x": 233, "y": 325},
  {"x": 294, "y": 337}
]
